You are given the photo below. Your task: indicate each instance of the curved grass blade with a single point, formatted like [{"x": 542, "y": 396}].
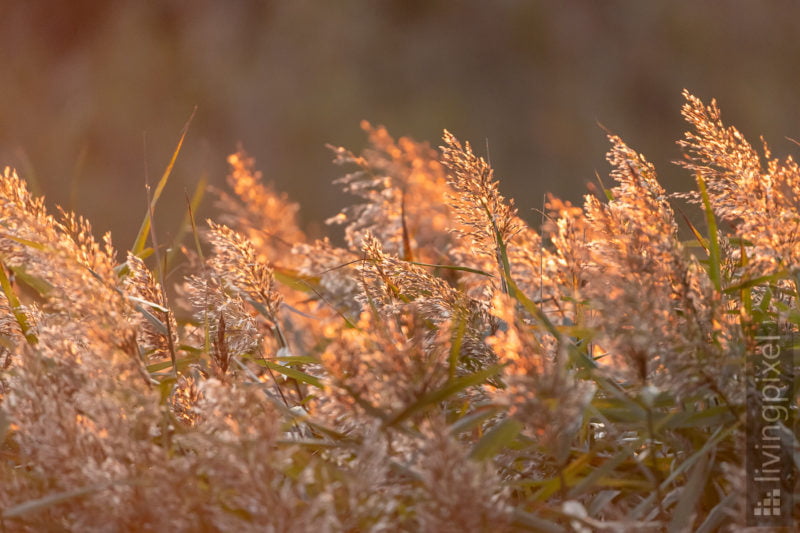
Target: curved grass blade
[
  {"x": 40, "y": 286},
  {"x": 604, "y": 471},
  {"x": 720, "y": 514},
  {"x": 719, "y": 435},
  {"x": 56, "y": 499},
  {"x": 15, "y": 305},
  {"x": 182, "y": 364},
  {"x": 445, "y": 392},
  {"x": 25, "y": 242},
  {"x": 453, "y": 267},
  {"x": 531, "y": 522},
  {"x": 713, "y": 237},
  {"x": 187, "y": 223},
  {"x": 154, "y": 320},
  {"x": 753, "y": 282},
  {"x": 294, "y": 280},
  {"x": 496, "y": 439},
  {"x": 690, "y": 496},
  {"x": 699, "y": 239},
  {"x": 472, "y": 420},
  {"x": 290, "y": 372},
  {"x": 144, "y": 230}
]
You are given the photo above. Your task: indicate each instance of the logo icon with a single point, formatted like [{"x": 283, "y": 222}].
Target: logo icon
[{"x": 770, "y": 505}]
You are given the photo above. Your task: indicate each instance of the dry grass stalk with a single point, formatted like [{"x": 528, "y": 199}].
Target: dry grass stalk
[{"x": 447, "y": 368}]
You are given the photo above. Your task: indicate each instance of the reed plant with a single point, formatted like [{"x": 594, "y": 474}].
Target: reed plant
[{"x": 449, "y": 367}]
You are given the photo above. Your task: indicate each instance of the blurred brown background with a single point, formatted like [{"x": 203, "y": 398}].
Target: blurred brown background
[{"x": 84, "y": 82}]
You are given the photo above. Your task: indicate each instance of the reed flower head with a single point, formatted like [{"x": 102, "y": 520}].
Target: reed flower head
[
  {"x": 451, "y": 368},
  {"x": 153, "y": 312},
  {"x": 380, "y": 373},
  {"x": 655, "y": 304},
  {"x": 760, "y": 198},
  {"x": 267, "y": 218},
  {"x": 540, "y": 390},
  {"x": 404, "y": 191},
  {"x": 236, "y": 262},
  {"x": 71, "y": 270},
  {"x": 335, "y": 269},
  {"x": 490, "y": 220},
  {"x": 458, "y": 494}
]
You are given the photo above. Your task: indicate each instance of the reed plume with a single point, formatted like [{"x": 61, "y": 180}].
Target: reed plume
[{"x": 447, "y": 367}]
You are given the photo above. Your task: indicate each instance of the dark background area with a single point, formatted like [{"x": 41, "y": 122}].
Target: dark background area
[{"x": 83, "y": 83}]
